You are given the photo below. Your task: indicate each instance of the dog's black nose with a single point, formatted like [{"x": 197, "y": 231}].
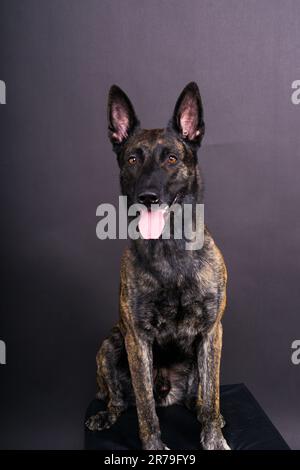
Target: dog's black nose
[{"x": 148, "y": 198}]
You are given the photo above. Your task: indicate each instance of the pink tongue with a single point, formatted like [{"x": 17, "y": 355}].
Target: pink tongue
[{"x": 151, "y": 223}]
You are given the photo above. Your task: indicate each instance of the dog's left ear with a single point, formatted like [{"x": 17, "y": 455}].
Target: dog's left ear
[{"x": 187, "y": 118}]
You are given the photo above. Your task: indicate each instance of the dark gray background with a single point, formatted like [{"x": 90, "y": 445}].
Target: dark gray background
[{"x": 59, "y": 285}]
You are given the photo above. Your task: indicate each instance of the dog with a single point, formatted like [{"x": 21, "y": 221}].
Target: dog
[{"x": 166, "y": 346}]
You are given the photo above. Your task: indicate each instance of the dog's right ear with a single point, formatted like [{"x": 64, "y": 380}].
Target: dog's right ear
[{"x": 122, "y": 120}]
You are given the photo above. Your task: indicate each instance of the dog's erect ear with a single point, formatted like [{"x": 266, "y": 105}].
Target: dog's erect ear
[
  {"x": 122, "y": 120},
  {"x": 187, "y": 118}
]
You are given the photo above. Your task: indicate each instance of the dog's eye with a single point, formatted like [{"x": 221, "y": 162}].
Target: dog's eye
[
  {"x": 132, "y": 160},
  {"x": 172, "y": 159}
]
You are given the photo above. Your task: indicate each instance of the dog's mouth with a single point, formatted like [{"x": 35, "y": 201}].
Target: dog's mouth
[{"x": 153, "y": 220}]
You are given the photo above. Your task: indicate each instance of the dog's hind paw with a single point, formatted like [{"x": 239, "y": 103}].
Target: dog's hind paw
[{"x": 101, "y": 420}]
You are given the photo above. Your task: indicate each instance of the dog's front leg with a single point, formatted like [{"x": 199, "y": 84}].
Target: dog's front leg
[
  {"x": 208, "y": 401},
  {"x": 139, "y": 352}
]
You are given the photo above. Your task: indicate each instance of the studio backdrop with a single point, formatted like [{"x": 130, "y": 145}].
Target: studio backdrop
[{"x": 59, "y": 282}]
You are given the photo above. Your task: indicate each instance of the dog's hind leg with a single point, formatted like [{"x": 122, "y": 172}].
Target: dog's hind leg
[{"x": 113, "y": 378}]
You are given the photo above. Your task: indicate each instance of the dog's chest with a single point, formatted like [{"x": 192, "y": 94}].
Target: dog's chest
[
  {"x": 178, "y": 317},
  {"x": 174, "y": 306}
]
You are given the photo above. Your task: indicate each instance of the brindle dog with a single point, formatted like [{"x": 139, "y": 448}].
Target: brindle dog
[{"x": 166, "y": 347}]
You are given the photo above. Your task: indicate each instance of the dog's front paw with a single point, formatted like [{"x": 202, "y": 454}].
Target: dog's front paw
[
  {"x": 154, "y": 444},
  {"x": 212, "y": 437},
  {"x": 101, "y": 420}
]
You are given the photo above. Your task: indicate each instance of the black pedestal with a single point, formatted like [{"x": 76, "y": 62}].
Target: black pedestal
[{"x": 247, "y": 426}]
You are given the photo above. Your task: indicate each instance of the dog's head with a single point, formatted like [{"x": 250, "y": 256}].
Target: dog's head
[{"x": 157, "y": 166}]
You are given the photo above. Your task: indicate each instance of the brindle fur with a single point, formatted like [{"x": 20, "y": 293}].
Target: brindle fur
[{"x": 166, "y": 347}]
